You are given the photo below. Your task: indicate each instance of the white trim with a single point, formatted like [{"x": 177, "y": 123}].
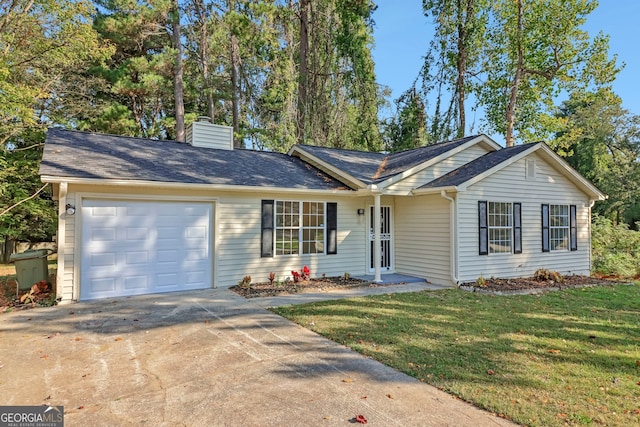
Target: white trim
[
  {"x": 551, "y": 157},
  {"x": 324, "y": 166},
  {"x": 81, "y": 196},
  {"x": 62, "y": 236},
  {"x": 436, "y": 190},
  {"x": 377, "y": 256},
  {"x": 409, "y": 172},
  {"x": 187, "y": 186}
]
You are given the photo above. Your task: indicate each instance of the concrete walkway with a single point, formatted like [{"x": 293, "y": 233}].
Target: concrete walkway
[{"x": 205, "y": 358}]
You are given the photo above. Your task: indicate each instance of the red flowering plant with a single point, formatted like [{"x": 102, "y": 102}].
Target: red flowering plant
[{"x": 302, "y": 275}]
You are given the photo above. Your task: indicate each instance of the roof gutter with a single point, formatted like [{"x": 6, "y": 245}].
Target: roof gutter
[
  {"x": 436, "y": 190},
  {"x": 188, "y": 186}
]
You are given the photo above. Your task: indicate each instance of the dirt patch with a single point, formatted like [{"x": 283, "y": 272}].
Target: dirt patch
[
  {"x": 267, "y": 289},
  {"x": 41, "y": 294},
  {"x": 532, "y": 283}
]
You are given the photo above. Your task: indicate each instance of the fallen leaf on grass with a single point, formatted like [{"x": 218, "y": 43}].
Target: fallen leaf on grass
[
  {"x": 347, "y": 380},
  {"x": 118, "y": 339},
  {"x": 637, "y": 362},
  {"x": 553, "y": 351},
  {"x": 491, "y": 371}
]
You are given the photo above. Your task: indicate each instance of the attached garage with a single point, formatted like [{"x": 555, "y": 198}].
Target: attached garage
[{"x": 137, "y": 247}]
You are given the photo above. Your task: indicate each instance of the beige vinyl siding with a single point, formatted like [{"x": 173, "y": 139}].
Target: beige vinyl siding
[
  {"x": 64, "y": 289},
  {"x": 430, "y": 173},
  {"x": 238, "y": 251},
  {"x": 236, "y": 234},
  {"x": 423, "y": 238},
  {"x": 511, "y": 185}
]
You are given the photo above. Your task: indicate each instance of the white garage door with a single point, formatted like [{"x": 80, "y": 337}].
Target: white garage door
[{"x": 133, "y": 248}]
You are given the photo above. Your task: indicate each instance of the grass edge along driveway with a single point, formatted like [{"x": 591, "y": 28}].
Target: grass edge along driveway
[{"x": 562, "y": 358}]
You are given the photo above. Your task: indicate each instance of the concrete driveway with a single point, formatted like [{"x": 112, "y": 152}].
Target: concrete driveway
[{"x": 204, "y": 358}]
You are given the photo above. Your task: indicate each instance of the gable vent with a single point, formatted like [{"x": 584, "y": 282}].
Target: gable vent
[
  {"x": 531, "y": 169},
  {"x": 207, "y": 135}
]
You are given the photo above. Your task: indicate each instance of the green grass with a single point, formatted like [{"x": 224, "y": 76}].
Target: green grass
[{"x": 562, "y": 358}]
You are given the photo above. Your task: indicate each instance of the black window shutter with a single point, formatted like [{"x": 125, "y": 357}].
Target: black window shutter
[
  {"x": 332, "y": 228},
  {"x": 573, "y": 228},
  {"x": 517, "y": 228},
  {"x": 267, "y": 229},
  {"x": 545, "y": 228},
  {"x": 483, "y": 234}
]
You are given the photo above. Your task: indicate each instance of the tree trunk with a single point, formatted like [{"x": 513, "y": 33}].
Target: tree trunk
[
  {"x": 8, "y": 247},
  {"x": 303, "y": 76},
  {"x": 178, "y": 85},
  {"x": 203, "y": 48},
  {"x": 235, "y": 89},
  {"x": 463, "y": 35},
  {"x": 510, "y": 116}
]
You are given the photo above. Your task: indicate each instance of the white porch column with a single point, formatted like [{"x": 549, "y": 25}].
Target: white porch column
[{"x": 376, "y": 238}]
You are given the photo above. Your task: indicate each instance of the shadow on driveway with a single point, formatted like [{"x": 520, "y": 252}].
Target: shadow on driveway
[{"x": 204, "y": 358}]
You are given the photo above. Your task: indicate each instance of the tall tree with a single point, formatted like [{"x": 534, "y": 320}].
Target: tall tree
[
  {"x": 178, "y": 85},
  {"x": 46, "y": 45},
  {"x": 601, "y": 140},
  {"x": 456, "y": 48},
  {"x": 535, "y": 49},
  {"x": 303, "y": 71}
]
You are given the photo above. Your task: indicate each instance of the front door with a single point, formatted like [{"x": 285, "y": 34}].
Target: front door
[{"x": 385, "y": 238}]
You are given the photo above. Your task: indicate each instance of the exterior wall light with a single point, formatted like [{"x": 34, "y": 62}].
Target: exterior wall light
[
  {"x": 360, "y": 212},
  {"x": 70, "y": 210}
]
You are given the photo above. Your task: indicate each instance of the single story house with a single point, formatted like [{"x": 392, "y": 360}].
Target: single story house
[{"x": 143, "y": 216}]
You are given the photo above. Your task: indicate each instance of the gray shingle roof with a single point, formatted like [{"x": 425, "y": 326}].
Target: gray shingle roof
[
  {"x": 75, "y": 154},
  {"x": 476, "y": 167},
  {"x": 376, "y": 167}
]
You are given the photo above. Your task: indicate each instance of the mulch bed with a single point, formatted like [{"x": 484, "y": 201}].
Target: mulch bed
[
  {"x": 312, "y": 285},
  {"x": 532, "y": 284},
  {"x": 492, "y": 285}
]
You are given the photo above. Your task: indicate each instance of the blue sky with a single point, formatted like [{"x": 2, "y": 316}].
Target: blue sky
[{"x": 402, "y": 34}]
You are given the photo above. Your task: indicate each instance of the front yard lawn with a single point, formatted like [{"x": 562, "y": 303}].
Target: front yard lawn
[{"x": 562, "y": 358}]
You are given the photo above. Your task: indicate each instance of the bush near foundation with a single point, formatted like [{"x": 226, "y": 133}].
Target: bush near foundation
[{"x": 615, "y": 249}]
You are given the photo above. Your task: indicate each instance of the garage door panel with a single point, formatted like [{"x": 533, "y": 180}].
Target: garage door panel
[
  {"x": 131, "y": 248},
  {"x": 136, "y": 282},
  {"x": 105, "y": 259},
  {"x": 102, "y": 285}
]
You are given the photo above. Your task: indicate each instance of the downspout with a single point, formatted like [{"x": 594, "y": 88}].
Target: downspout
[
  {"x": 453, "y": 233},
  {"x": 62, "y": 231},
  {"x": 377, "y": 277},
  {"x": 593, "y": 202}
]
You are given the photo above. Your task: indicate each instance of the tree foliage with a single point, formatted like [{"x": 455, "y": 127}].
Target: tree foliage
[
  {"x": 46, "y": 45},
  {"x": 616, "y": 248},
  {"x": 601, "y": 140},
  {"x": 534, "y": 50}
]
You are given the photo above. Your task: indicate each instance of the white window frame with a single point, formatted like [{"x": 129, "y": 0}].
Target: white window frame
[
  {"x": 496, "y": 224},
  {"x": 291, "y": 216},
  {"x": 559, "y": 228}
]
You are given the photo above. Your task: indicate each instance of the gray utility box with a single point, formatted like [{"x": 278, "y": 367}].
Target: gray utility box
[{"x": 31, "y": 267}]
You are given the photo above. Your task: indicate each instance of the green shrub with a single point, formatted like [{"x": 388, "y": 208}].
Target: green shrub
[{"x": 615, "y": 248}]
